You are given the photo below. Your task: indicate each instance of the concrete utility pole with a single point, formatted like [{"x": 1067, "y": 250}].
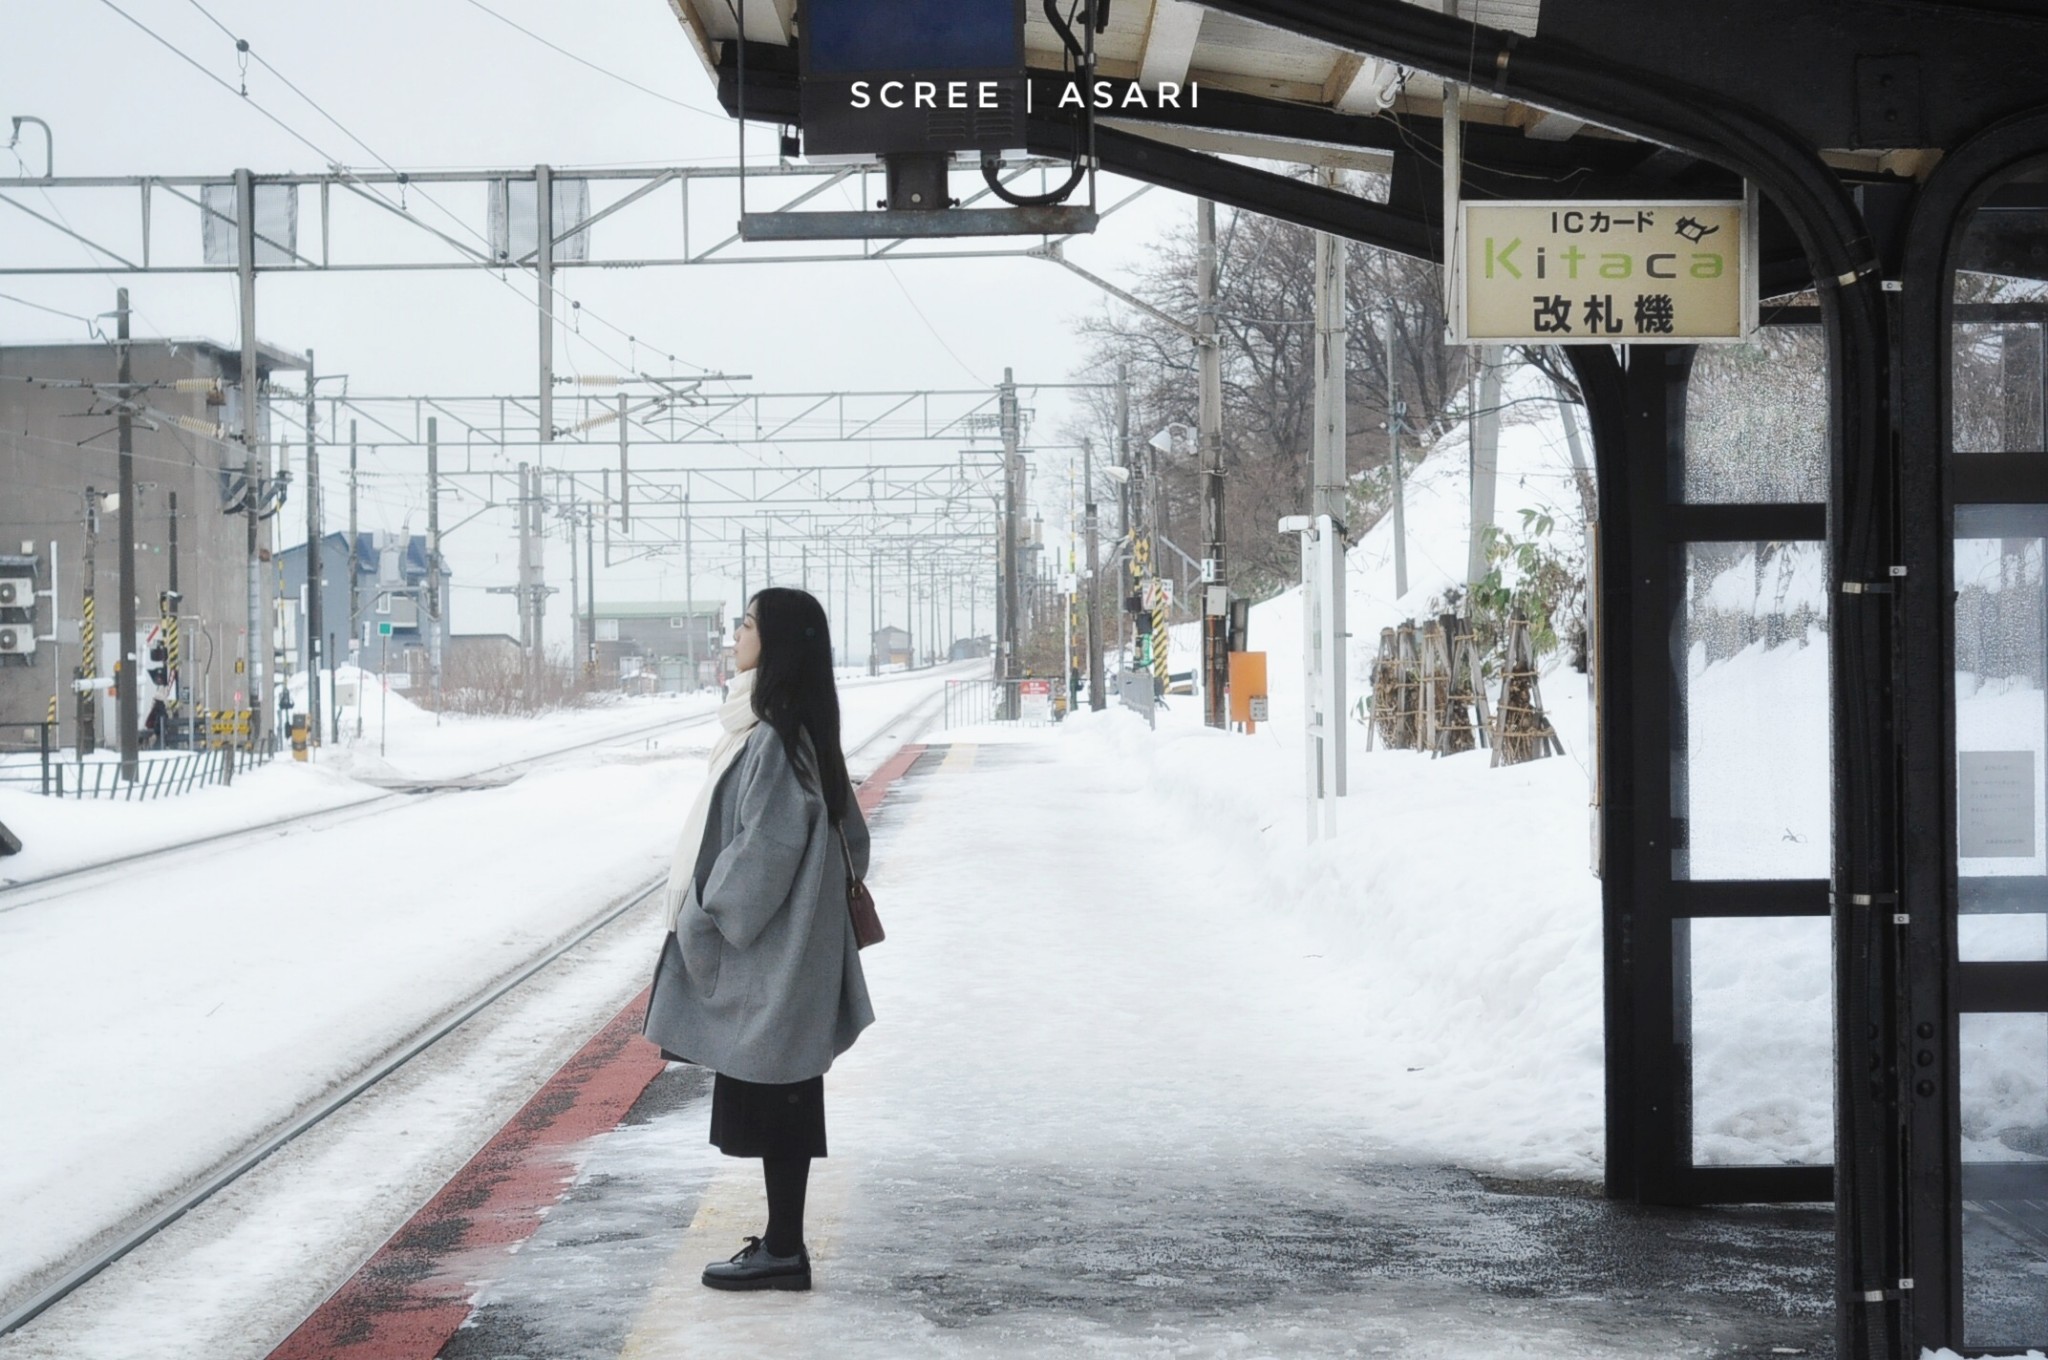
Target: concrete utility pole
[
  {"x": 544, "y": 272},
  {"x": 625, "y": 480},
  {"x": 525, "y": 573},
  {"x": 575, "y": 589},
  {"x": 537, "y": 599},
  {"x": 689, "y": 588},
  {"x": 316, "y": 576},
  {"x": 1096, "y": 697},
  {"x": 590, "y": 518},
  {"x": 874, "y": 617},
  {"x": 1215, "y": 603},
  {"x": 1127, "y": 495},
  {"x": 434, "y": 560},
  {"x": 1007, "y": 602},
  {"x": 256, "y": 646},
  {"x": 746, "y": 595},
  {"x": 173, "y": 651},
  {"x": 1483, "y": 449},
  {"x": 355, "y": 593},
  {"x": 126, "y": 670},
  {"x": 1331, "y": 498},
  {"x": 1397, "y": 411},
  {"x": 909, "y": 609}
]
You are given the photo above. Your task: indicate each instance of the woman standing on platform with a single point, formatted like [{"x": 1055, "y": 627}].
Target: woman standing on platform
[{"x": 760, "y": 979}]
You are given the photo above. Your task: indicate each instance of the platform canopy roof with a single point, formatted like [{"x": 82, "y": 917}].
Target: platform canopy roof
[{"x": 1877, "y": 91}]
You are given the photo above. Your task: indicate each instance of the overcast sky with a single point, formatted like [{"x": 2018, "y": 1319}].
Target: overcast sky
[{"x": 445, "y": 84}]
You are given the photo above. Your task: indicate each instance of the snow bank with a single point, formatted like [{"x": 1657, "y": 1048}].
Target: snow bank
[{"x": 1463, "y": 894}]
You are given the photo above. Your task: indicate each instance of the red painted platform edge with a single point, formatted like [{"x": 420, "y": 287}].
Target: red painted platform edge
[
  {"x": 407, "y": 1301},
  {"x": 875, "y": 787}
]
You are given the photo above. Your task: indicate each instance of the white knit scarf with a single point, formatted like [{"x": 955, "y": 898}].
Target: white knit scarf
[{"x": 736, "y": 719}]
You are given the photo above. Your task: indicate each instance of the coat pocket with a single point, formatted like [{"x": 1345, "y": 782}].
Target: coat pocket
[{"x": 702, "y": 947}]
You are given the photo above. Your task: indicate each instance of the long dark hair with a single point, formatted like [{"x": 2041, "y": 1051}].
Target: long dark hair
[{"x": 794, "y": 691}]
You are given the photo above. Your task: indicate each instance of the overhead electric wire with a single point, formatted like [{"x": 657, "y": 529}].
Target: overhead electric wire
[
  {"x": 487, "y": 265},
  {"x": 584, "y": 61},
  {"x": 42, "y": 307}
]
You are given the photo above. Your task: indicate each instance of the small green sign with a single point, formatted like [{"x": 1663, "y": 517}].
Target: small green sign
[{"x": 384, "y": 628}]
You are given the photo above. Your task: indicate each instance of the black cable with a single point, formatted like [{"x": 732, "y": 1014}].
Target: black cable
[{"x": 991, "y": 165}]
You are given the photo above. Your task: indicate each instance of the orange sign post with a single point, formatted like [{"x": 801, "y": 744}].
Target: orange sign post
[{"x": 1248, "y": 689}]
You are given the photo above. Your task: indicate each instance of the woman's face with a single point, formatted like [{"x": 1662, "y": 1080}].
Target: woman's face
[{"x": 746, "y": 644}]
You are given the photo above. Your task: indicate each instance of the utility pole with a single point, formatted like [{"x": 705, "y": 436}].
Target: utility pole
[
  {"x": 127, "y": 673},
  {"x": 1483, "y": 448},
  {"x": 1397, "y": 411},
  {"x": 1215, "y": 602},
  {"x": 874, "y": 617},
  {"x": 173, "y": 652},
  {"x": 1127, "y": 496},
  {"x": 525, "y": 574},
  {"x": 1330, "y": 498},
  {"x": 537, "y": 600},
  {"x": 1007, "y": 658},
  {"x": 434, "y": 560},
  {"x": 625, "y": 484},
  {"x": 689, "y": 587},
  {"x": 316, "y": 576},
  {"x": 355, "y": 595},
  {"x": 1096, "y": 697},
  {"x": 544, "y": 273},
  {"x": 909, "y": 609},
  {"x": 590, "y": 518},
  {"x": 575, "y": 590},
  {"x": 746, "y": 595},
  {"x": 256, "y": 645},
  {"x": 536, "y": 603}
]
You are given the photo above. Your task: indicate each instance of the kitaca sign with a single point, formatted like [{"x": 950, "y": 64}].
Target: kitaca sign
[{"x": 1563, "y": 273}]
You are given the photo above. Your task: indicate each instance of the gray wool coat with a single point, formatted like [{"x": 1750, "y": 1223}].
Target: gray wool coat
[{"x": 761, "y": 979}]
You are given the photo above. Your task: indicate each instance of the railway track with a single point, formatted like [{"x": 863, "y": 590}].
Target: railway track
[
  {"x": 111, "y": 1246},
  {"x": 407, "y": 793}
]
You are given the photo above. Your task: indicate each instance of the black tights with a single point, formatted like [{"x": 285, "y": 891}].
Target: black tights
[{"x": 788, "y": 1178}]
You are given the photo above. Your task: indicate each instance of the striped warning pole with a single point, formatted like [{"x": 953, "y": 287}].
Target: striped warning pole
[
  {"x": 1159, "y": 646},
  {"x": 88, "y": 668},
  {"x": 171, "y": 672}
]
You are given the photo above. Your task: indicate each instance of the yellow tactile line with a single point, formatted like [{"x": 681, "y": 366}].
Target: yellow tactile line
[{"x": 734, "y": 1207}]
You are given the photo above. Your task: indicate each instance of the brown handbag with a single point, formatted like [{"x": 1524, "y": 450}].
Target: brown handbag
[{"x": 860, "y": 903}]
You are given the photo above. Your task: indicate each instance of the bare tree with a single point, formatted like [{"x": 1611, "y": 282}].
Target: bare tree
[{"x": 1266, "y": 306}]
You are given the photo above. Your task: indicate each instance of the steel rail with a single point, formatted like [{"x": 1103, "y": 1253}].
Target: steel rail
[
  {"x": 309, "y": 1118},
  {"x": 408, "y": 796}
]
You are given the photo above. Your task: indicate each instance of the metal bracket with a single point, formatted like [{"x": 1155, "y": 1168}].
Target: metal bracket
[
  {"x": 1902, "y": 918},
  {"x": 1867, "y": 588}
]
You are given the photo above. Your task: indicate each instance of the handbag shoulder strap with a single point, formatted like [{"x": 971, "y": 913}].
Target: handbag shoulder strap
[{"x": 845, "y": 853}]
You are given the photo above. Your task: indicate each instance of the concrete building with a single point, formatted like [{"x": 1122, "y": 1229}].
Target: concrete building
[
  {"x": 650, "y": 647},
  {"x": 58, "y": 465},
  {"x": 390, "y": 577},
  {"x": 891, "y": 646}
]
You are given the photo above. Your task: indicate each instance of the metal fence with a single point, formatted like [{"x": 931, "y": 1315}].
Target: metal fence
[
  {"x": 1017, "y": 703},
  {"x": 30, "y": 761}
]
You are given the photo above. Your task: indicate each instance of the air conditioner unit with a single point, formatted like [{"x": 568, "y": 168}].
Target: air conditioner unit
[
  {"x": 17, "y": 591},
  {"x": 17, "y": 639}
]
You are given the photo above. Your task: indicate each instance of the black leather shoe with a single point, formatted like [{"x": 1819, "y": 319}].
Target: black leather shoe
[{"x": 753, "y": 1268}]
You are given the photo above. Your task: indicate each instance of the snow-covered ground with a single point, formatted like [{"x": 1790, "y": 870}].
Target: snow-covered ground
[
  {"x": 1474, "y": 885},
  {"x": 161, "y": 1017}
]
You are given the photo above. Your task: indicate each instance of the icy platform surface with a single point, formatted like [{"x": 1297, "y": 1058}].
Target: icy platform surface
[{"x": 1116, "y": 1105}]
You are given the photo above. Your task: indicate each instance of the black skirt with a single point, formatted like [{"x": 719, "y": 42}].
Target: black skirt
[{"x": 754, "y": 1119}]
